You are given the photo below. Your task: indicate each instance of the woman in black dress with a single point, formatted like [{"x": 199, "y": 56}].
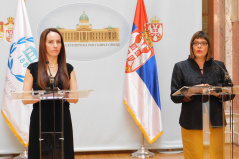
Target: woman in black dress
[{"x": 51, "y": 49}]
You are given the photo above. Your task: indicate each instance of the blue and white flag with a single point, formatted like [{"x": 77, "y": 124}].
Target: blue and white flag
[
  {"x": 22, "y": 53},
  {"x": 141, "y": 90}
]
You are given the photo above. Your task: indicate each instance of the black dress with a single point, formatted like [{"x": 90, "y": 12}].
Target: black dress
[{"x": 47, "y": 119}]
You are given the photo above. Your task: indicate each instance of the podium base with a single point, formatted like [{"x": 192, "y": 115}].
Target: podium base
[
  {"x": 23, "y": 155},
  {"x": 142, "y": 153}
]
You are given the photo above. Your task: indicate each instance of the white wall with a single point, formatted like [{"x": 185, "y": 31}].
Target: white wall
[{"x": 101, "y": 122}]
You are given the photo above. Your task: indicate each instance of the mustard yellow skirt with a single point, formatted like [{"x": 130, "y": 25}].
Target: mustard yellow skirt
[{"x": 193, "y": 143}]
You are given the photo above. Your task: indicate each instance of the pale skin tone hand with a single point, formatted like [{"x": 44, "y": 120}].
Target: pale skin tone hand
[
  {"x": 187, "y": 98},
  {"x": 28, "y": 83}
]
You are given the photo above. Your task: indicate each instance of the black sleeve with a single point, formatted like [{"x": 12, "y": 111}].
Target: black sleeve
[
  {"x": 227, "y": 79},
  {"x": 32, "y": 68},
  {"x": 176, "y": 84},
  {"x": 226, "y": 76},
  {"x": 69, "y": 69}
]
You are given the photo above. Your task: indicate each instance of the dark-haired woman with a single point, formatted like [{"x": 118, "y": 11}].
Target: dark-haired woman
[
  {"x": 199, "y": 70},
  {"x": 51, "y": 49}
]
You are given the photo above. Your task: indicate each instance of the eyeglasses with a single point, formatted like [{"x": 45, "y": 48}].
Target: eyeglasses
[{"x": 202, "y": 43}]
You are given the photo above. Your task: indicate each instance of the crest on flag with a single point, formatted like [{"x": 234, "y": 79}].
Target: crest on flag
[
  {"x": 140, "y": 50},
  {"x": 6, "y": 30},
  {"x": 156, "y": 29},
  {"x": 27, "y": 55}
]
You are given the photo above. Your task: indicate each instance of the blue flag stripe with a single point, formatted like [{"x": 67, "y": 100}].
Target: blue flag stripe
[
  {"x": 134, "y": 27},
  {"x": 148, "y": 73}
]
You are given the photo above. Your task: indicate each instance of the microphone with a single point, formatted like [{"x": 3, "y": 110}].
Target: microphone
[
  {"x": 52, "y": 81},
  {"x": 227, "y": 76}
]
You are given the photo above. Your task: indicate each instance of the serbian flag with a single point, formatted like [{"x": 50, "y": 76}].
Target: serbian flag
[
  {"x": 22, "y": 53},
  {"x": 141, "y": 90}
]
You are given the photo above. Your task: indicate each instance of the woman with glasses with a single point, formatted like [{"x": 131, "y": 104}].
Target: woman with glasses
[{"x": 199, "y": 70}]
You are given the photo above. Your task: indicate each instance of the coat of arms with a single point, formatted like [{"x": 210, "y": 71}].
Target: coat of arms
[
  {"x": 155, "y": 29},
  {"x": 6, "y": 30}
]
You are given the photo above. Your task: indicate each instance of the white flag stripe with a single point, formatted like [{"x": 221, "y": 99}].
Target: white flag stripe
[
  {"x": 147, "y": 113},
  {"x": 22, "y": 53}
]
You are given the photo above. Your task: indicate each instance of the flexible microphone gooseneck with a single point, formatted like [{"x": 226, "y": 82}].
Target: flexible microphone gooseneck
[
  {"x": 52, "y": 81},
  {"x": 228, "y": 80}
]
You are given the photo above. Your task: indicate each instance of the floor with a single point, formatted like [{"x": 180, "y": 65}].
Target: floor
[
  {"x": 168, "y": 154},
  {"x": 123, "y": 155}
]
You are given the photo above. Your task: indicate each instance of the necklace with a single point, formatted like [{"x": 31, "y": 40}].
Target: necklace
[{"x": 53, "y": 66}]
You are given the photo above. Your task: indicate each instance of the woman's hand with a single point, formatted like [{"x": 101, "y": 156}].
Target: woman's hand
[
  {"x": 187, "y": 98},
  {"x": 202, "y": 85},
  {"x": 193, "y": 91},
  {"x": 213, "y": 93},
  {"x": 196, "y": 90}
]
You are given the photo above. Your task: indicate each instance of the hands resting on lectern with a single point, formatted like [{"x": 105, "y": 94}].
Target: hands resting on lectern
[
  {"x": 190, "y": 92},
  {"x": 28, "y": 98}
]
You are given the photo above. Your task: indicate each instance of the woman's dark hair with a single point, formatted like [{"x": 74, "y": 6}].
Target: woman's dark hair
[
  {"x": 201, "y": 35},
  {"x": 43, "y": 77}
]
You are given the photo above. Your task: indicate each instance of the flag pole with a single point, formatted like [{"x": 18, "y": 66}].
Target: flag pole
[
  {"x": 24, "y": 154},
  {"x": 143, "y": 152}
]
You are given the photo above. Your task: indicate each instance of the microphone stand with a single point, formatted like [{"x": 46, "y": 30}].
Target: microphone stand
[
  {"x": 23, "y": 155},
  {"x": 232, "y": 119},
  {"x": 53, "y": 89},
  {"x": 227, "y": 84},
  {"x": 54, "y": 116},
  {"x": 230, "y": 84},
  {"x": 52, "y": 82}
]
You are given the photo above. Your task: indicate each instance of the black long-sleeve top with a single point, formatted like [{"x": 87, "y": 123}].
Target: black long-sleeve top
[{"x": 187, "y": 73}]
